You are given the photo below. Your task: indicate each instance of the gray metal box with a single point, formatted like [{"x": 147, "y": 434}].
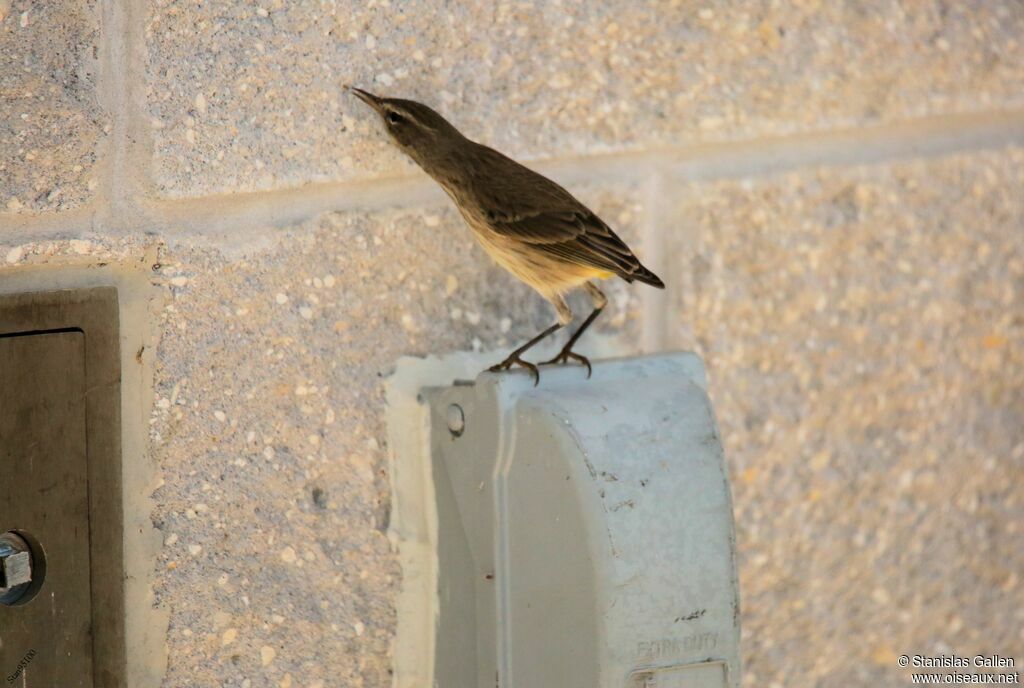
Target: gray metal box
[{"x": 584, "y": 530}]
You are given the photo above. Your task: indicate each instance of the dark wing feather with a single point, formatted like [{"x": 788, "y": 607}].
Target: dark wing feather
[
  {"x": 576, "y": 236},
  {"x": 522, "y": 204}
]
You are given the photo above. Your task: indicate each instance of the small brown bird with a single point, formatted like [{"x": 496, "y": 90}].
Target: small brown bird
[{"x": 530, "y": 225}]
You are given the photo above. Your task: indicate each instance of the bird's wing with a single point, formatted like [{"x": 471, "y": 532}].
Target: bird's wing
[
  {"x": 577, "y": 236},
  {"x": 524, "y": 205}
]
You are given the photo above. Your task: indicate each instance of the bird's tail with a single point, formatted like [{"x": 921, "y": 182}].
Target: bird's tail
[{"x": 642, "y": 274}]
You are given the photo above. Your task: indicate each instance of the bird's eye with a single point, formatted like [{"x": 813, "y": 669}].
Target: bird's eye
[{"x": 395, "y": 118}]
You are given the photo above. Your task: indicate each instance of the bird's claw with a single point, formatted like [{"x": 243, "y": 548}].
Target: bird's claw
[
  {"x": 565, "y": 355},
  {"x": 514, "y": 359}
]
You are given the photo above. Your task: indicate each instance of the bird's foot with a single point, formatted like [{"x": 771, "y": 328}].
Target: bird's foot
[
  {"x": 514, "y": 359},
  {"x": 566, "y": 355}
]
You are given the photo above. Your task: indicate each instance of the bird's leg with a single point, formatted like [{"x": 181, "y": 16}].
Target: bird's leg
[
  {"x": 564, "y": 317},
  {"x": 514, "y": 357},
  {"x": 567, "y": 354}
]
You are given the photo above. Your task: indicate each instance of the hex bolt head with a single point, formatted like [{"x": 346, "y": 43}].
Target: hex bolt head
[
  {"x": 456, "y": 419},
  {"x": 15, "y": 567}
]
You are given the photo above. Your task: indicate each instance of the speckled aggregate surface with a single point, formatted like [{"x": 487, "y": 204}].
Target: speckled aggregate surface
[
  {"x": 275, "y": 505},
  {"x": 249, "y": 96},
  {"x": 862, "y": 333},
  {"x": 50, "y": 122}
]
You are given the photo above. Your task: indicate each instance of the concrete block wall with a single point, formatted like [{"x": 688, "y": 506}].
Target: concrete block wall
[{"x": 832, "y": 192}]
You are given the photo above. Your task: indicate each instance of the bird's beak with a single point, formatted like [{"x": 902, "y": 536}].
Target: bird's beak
[{"x": 367, "y": 97}]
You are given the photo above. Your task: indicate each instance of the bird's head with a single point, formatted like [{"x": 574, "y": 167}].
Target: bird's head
[{"x": 420, "y": 132}]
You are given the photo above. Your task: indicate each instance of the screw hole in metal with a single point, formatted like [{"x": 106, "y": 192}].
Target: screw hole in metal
[{"x": 456, "y": 420}]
